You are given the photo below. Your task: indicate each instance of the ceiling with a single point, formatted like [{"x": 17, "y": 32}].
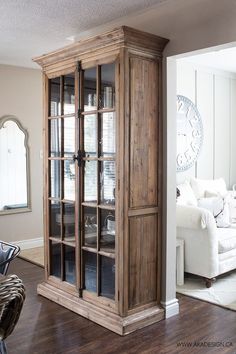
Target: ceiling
[
  {"x": 29, "y": 28},
  {"x": 224, "y": 59}
]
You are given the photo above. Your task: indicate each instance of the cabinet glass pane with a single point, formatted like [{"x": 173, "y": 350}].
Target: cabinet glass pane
[
  {"x": 55, "y": 101},
  {"x": 90, "y": 181},
  {"x": 55, "y": 137},
  {"x": 55, "y": 259},
  {"x": 55, "y": 182},
  {"x": 108, "y": 182},
  {"x": 90, "y": 96},
  {"x": 90, "y": 227},
  {"x": 69, "y": 222},
  {"x": 108, "y": 134},
  {"x": 69, "y": 94},
  {"x": 69, "y": 136},
  {"x": 55, "y": 219},
  {"x": 90, "y": 271},
  {"x": 90, "y": 135},
  {"x": 108, "y": 230},
  {"x": 69, "y": 179},
  {"x": 70, "y": 264},
  {"x": 107, "y": 277},
  {"x": 108, "y": 86}
]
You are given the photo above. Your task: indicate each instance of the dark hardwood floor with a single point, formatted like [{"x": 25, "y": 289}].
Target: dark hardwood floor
[{"x": 47, "y": 328}]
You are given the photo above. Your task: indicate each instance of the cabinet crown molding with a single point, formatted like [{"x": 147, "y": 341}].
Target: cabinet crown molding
[{"x": 123, "y": 36}]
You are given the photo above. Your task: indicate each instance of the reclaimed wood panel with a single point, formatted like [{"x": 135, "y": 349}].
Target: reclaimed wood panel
[
  {"x": 143, "y": 260},
  {"x": 143, "y": 132}
]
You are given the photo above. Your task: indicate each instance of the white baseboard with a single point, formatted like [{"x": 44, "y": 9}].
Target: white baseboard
[
  {"x": 32, "y": 243},
  {"x": 171, "y": 307}
]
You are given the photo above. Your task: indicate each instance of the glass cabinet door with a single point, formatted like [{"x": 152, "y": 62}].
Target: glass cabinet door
[
  {"x": 62, "y": 181},
  {"x": 98, "y": 124},
  {"x": 82, "y": 195}
]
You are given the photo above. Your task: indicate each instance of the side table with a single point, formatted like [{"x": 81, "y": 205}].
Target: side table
[{"x": 179, "y": 261}]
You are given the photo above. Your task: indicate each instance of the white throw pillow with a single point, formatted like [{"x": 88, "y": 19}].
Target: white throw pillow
[
  {"x": 187, "y": 196},
  {"x": 210, "y": 194},
  {"x": 216, "y": 186},
  {"x": 219, "y": 208}
]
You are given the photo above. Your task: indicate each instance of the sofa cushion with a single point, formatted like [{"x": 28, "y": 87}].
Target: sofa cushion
[
  {"x": 187, "y": 196},
  {"x": 226, "y": 239},
  {"x": 213, "y": 186},
  {"x": 219, "y": 208}
]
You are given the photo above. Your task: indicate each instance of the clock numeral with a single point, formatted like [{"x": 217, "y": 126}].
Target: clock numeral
[
  {"x": 196, "y": 133},
  {"x": 180, "y": 107},
  {"x": 188, "y": 110},
  {"x": 194, "y": 146},
  {"x": 180, "y": 159},
  {"x": 188, "y": 155},
  {"x": 193, "y": 120}
]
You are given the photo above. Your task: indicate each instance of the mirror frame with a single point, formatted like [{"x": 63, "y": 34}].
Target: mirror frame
[{"x": 3, "y": 120}]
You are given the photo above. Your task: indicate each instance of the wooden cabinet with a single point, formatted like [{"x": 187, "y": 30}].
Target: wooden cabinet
[{"x": 103, "y": 170}]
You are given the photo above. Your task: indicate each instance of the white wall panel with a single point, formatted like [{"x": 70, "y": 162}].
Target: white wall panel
[
  {"x": 186, "y": 87},
  {"x": 233, "y": 134},
  {"x": 205, "y": 103},
  {"x": 222, "y": 128},
  {"x": 215, "y": 97}
]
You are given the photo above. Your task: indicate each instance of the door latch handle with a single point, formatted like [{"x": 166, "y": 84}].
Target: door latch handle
[{"x": 79, "y": 157}]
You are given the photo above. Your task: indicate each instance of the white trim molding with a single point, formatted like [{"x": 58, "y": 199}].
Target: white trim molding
[
  {"x": 32, "y": 243},
  {"x": 171, "y": 307}
]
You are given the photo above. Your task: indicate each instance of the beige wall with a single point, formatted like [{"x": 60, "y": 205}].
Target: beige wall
[{"x": 21, "y": 95}]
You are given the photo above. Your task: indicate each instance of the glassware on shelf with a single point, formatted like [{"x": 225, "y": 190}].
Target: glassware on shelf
[
  {"x": 90, "y": 135},
  {"x": 108, "y": 182},
  {"x": 55, "y": 97},
  {"x": 90, "y": 96},
  {"x": 108, "y": 231},
  {"x": 69, "y": 94},
  {"x": 90, "y": 227},
  {"x": 92, "y": 100},
  {"x": 55, "y": 137},
  {"x": 55, "y": 219},
  {"x": 108, "y": 97},
  {"x": 90, "y": 181},
  {"x": 108, "y": 136},
  {"x": 111, "y": 224},
  {"x": 69, "y": 222},
  {"x": 69, "y": 136}
]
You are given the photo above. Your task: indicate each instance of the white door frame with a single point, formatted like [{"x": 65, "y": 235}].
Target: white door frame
[{"x": 169, "y": 301}]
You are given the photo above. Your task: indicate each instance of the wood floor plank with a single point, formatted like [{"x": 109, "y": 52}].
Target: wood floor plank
[{"x": 47, "y": 328}]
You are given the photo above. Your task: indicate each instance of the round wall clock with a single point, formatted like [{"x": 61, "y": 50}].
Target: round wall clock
[{"x": 189, "y": 133}]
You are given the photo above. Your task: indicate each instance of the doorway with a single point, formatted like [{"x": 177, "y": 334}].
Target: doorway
[{"x": 211, "y": 88}]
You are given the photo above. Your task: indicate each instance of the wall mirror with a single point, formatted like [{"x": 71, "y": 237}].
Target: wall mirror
[{"x": 14, "y": 167}]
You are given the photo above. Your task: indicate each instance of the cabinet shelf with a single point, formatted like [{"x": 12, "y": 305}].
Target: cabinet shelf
[
  {"x": 100, "y": 206},
  {"x": 61, "y": 116},
  {"x": 64, "y": 242}
]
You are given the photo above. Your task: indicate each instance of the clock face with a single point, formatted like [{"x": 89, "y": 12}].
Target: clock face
[{"x": 189, "y": 133}]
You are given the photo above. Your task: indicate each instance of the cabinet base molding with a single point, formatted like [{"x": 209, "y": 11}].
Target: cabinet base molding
[{"x": 105, "y": 318}]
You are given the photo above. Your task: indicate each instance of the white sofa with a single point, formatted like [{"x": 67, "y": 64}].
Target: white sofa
[{"x": 209, "y": 250}]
